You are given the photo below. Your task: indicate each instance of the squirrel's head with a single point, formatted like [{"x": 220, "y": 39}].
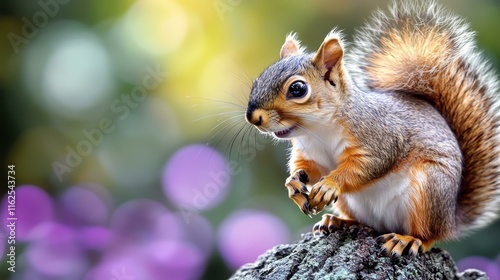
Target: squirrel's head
[{"x": 300, "y": 91}]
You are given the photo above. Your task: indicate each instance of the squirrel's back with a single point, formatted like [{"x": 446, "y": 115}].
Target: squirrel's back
[{"x": 417, "y": 48}]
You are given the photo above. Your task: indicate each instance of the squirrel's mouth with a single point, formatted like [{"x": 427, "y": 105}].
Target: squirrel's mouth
[{"x": 284, "y": 133}]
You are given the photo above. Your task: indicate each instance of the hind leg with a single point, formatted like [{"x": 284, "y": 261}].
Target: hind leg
[{"x": 430, "y": 217}]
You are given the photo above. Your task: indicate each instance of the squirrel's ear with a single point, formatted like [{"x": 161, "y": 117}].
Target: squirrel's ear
[
  {"x": 291, "y": 46},
  {"x": 330, "y": 52}
]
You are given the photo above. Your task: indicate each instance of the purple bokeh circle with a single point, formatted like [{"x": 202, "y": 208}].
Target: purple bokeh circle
[
  {"x": 81, "y": 206},
  {"x": 33, "y": 207},
  {"x": 136, "y": 221},
  {"x": 156, "y": 260},
  {"x": 128, "y": 263},
  {"x": 196, "y": 177},
  {"x": 168, "y": 227},
  {"x": 246, "y": 234},
  {"x": 199, "y": 232},
  {"x": 95, "y": 238},
  {"x": 56, "y": 252},
  {"x": 177, "y": 259},
  {"x": 481, "y": 263}
]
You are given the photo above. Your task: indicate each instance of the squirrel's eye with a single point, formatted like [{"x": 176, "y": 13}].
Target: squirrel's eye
[{"x": 297, "y": 89}]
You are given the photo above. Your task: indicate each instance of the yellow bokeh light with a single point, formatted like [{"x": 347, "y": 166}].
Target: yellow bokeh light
[{"x": 158, "y": 27}]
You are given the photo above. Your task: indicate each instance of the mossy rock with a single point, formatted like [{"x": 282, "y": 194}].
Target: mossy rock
[{"x": 350, "y": 253}]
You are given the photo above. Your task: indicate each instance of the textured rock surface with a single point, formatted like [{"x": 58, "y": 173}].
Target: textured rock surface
[{"x": 350, "y": 253}]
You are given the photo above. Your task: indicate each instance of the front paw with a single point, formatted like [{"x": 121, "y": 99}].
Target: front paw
[
  {"x": 297, "y": 190},
  {"x": 322, "y": 194}
]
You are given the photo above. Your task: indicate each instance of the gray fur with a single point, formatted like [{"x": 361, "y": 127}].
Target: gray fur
[
  {"x": 268, "y": 85},
  {"x": 429, "y": 13}
]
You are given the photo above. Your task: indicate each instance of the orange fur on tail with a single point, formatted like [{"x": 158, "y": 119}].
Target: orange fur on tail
[{"x": 420, "y": 49}]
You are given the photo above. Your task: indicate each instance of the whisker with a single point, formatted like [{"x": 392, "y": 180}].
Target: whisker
[
  {"x": 218, "y": 114},
  {"x": 232, "y": 120},
  {"x": 238, "y": 98},
  {"x": 244, "y": 75},
  {"x": 208, "y": 100},
  {"x": 231, "y": 127},
  {"x": 235, "y": 137},
  {"x": 247, "y": 134},
  {"x": 244, "y": 101},
  {"x": 246, "y": 130}
]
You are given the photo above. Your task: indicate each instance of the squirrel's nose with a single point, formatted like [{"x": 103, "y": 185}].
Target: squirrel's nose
[{"x": 254, "y": 116}]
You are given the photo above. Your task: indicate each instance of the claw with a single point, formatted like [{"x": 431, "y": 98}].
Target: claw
[
  {"x": 396, "y": 245},
  {"x": 304, "y": 189},
  {"x": 305, "y": 209},
  {"x": 324, "y": 230},
  {"x": 298, "y": 192},
  {"x": 329, "y": 223},
  {"x": 303, "y": 177},
  {"x": 323, "y": 194}
]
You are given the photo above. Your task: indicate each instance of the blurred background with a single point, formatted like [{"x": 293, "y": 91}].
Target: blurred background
[{"x": 123, "y": 122}]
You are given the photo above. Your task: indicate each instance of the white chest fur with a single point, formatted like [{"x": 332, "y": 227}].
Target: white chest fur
[
  {"x": 383, "y": 205},
  {"x": 324, "y": 147}
]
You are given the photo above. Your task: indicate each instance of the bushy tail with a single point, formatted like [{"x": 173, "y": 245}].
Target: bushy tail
[{"x": 421, "y": 49}]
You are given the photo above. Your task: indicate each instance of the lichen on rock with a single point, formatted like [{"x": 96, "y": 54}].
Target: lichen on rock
[{"x": 349, "y": 253}]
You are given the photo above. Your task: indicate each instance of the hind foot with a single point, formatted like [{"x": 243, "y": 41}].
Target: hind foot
[
  {"x": 397, "y": 244},
  {"x": 329, "y": 223}
]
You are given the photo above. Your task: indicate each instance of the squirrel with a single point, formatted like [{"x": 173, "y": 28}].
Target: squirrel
[{"x": 401, "y": 133}]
